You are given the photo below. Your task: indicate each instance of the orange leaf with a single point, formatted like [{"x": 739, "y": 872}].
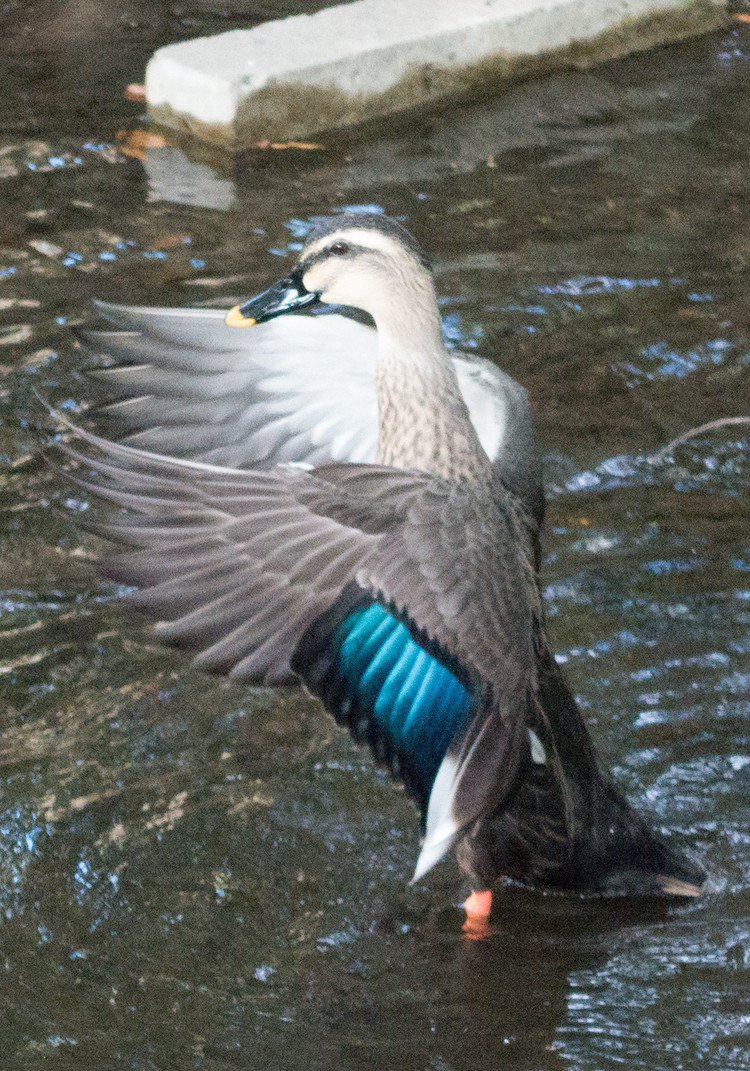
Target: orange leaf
[
  {"x": 306, "y": 145},
  {"x": 135, "y": 142},
  {"x": 135, "y": 92},
  {"x": 742, "y": 18},
  {"x": 171, "y": 241}
]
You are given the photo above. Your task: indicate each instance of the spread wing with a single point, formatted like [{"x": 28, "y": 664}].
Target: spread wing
[
  {"x": 237, "y": 566},
  {"x": 188, "y": 386},
  {"x": 460, "y": 567},
  {"x": 298, "y": 388}
]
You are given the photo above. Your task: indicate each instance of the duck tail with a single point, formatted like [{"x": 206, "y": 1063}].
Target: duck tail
[
  {"x": 615, "y": 851},
  {"x": 631, "y": 858}
]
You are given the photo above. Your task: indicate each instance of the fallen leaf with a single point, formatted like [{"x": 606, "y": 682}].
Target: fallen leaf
[
  {"x": 171, "y": 241},
  {"x": 135, "y": 92},
  {"x": 135, "y": 142},
  {"x": 304, "y": 145},
  {"x": 742, "y": 18}
]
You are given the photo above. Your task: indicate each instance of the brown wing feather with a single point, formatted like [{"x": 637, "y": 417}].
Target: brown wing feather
[{"x": 236, "y": 565}]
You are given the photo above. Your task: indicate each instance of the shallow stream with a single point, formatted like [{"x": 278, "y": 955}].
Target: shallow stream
[{"x": 199, "y": 875}]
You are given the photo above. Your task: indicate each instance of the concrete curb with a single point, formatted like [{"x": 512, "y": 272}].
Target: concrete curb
[{"x": 296, "y": 77}]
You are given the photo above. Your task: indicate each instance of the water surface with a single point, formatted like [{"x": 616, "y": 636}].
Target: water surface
[{"x": 199, "y": 875}]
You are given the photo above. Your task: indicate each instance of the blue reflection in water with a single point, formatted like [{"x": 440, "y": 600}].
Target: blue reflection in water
[
  {"x": 664, "y": 361},
  {"x": 300, "y": 228},
  {"x": 85, "y": 877},
  {"x": 456, "y": 331},
  {"x": 20, "y": 832},
  {"x": 582, "y": 285},
  {"x": 661, "y": 566}
]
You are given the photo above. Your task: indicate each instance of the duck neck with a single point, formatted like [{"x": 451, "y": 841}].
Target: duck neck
[{"x": 423, "y": 421}]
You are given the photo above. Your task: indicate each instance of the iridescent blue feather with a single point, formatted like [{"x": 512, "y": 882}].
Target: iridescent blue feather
[{"x": 374, "y": 676}]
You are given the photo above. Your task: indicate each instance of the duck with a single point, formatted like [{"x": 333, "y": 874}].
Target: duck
[{"x": 312, "y": 489}]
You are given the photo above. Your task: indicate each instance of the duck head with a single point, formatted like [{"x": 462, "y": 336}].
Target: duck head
[{"x": 365, "y": 261}]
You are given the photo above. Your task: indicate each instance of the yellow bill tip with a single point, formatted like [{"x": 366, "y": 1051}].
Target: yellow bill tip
[{"x": 235, "y": 318}]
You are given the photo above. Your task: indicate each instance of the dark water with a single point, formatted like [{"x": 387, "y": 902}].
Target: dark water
[{"x": 198, "y": 875}]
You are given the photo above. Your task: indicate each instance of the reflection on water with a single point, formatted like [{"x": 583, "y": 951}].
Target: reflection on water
[{"x": 194, "y": 874}]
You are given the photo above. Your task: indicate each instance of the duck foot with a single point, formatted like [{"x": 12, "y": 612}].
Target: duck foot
[{"x": 478, "y": 907}]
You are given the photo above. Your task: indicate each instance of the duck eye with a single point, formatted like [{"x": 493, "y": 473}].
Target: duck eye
[{"x": 339, "y": 249}]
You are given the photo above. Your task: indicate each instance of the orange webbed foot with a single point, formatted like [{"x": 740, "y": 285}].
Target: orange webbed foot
[{"x": 478, "y": 907}]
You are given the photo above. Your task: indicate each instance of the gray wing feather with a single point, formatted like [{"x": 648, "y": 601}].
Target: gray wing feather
[
  {"x": 202, "y": 390},
  {"x": 500, "y": 411},
  {"x": 460, "y": 567},
  {"x": 299, "y": 388},
  {"x": 236, "y": 565},
  {"x": 231, "y": 564}
]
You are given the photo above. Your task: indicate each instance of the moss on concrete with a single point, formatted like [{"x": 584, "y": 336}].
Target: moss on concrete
[{"x": 287, "y": 111}]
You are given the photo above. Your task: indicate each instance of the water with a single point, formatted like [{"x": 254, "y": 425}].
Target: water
[{"x": 199, "y": 875}]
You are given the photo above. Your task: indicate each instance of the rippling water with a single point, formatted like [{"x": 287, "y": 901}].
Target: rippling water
[{"x": 199, "y": 875}]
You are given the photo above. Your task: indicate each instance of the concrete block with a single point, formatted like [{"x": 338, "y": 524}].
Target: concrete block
[{"x": 294, "y": 78}]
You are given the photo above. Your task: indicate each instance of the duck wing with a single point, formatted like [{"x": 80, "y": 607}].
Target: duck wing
[
  {"x": 459, "y": 568},
  {"x": 186, "y": 385},
  {"x": 406, "y": 602}
]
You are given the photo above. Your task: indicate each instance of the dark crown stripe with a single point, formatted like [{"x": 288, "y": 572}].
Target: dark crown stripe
[
  {"x": 369, "y": 221},
  {"x": 305, "y": 263}
]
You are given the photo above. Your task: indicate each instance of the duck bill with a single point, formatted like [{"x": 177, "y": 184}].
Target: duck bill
[{"x": 287, "y": 295}]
